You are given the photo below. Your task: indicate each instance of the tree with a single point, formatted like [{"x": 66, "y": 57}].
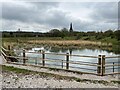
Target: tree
[
  {"x": 108, "y": 33},
  {"x": 91, "y": 33},
  {"x": 55, "y": 33},
  {"x": 64, "y": 32},
  {"x": 117, "y": 34},
  {"x": 79, "y": 35},
  {"x": 11, "y": 34}
]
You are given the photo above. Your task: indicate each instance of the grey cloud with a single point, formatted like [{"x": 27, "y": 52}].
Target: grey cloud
[
  {"x": 15, "y": 12},
  {"x": 105, "y": 11},
  {"x": 45, "y": 5},
  {"x": 25, "y": 14},
  {"x": 58, "y": 18},
  {"x": 41, "y": 14},
  {"x": 46, "y": 13}
]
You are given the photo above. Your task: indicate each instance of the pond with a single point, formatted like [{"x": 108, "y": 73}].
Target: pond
[{"x": 35, "y": 58}]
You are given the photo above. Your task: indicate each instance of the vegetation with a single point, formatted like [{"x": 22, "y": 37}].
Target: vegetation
[
  {"x": 63, "y": 33},
  {"x": 108, "y": 38}
]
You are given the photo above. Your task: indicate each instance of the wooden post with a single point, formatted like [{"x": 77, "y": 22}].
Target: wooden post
[
  {"x": 99, "y": 63},
  {"x": 9, "y": 50},
  {"x": 43, "y": 58},
  {"x": 23, "y": 56},
  {"x": 103, "y": 65},
  {"x": 62, "y": 63},
  {"x": 67, "y": 61},
  {"x": 8, "y": 53},
  {"x": 36, "y": 61},
  {"x": 113, "y": 67},
  {"x": 8, "y": 47}
]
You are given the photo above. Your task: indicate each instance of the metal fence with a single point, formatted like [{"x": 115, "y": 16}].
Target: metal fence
[{"x": 99, "y": 68}]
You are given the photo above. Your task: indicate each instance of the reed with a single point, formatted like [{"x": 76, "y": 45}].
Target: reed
[
  {"x": 69, "y": 43},
  {"x": 28, "y": 43}
]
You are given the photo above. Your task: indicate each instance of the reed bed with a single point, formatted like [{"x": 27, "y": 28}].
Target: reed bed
[
  {"x": 69, "y": 43},
  {"x": 58, "y": 44}
]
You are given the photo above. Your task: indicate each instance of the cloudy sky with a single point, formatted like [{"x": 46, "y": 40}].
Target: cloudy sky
[{"x": 44, "y": 16}]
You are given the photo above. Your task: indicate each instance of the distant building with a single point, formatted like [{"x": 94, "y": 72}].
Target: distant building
[{"x": 71, "y": 28}]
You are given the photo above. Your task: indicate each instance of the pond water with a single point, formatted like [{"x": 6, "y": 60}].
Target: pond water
[{"x": 35, "y": 58}]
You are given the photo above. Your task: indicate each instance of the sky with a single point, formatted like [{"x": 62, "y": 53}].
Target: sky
[{"x": 44, "y": 16}]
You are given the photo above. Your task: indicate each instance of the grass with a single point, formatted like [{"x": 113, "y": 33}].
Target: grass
[
  {"x": 54, "y": 40},
  {"x": 56, "y": 76}
]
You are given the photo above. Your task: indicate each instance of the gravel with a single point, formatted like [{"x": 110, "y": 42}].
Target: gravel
[
  {"x": 12, "y": 80},
  {"x": 15, "y": 80},
  {"x": 65, "y": 73}
]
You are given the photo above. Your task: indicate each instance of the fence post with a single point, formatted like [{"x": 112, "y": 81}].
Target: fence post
[
  {"x": 9, "y": 50},
  {"x": 62, "y": 63},
  {"x": 8, "y": 47},
  {"x": 8, "y": 53},
  {"x": 36, "y": 61},
  {"x": 23, "y": 56},
  {"x": 113, "y": 67},
  {"x": 43, "y": 58},
  {"x": 67, "y": 60},
  {"x": 99, "y": 63},
  {"x": 103, "y": 65}
]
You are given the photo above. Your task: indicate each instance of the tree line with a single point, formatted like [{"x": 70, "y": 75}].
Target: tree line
[{"x": 65, "y": 33}]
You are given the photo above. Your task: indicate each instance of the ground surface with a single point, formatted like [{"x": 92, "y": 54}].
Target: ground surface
[
  {"x": 1, "y": 60},
  {"x": 12, "y": 80},
  {"x": 22, "y": 80}
]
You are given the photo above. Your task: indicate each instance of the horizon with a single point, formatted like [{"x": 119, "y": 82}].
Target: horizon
[{"x": 57, "y": 29}]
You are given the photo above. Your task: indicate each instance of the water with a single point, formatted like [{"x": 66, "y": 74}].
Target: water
[{"x": 36, "y": 58}]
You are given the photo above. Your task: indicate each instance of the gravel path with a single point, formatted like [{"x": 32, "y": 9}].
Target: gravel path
[
  {"x": 65, "y": 73},
  {"x": 13, "y": 80}
]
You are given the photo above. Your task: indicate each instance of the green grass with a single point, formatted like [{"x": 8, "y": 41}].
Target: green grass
[
  {"x": 56, "y": 76},
  {"x": 110, "y": 40}
]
